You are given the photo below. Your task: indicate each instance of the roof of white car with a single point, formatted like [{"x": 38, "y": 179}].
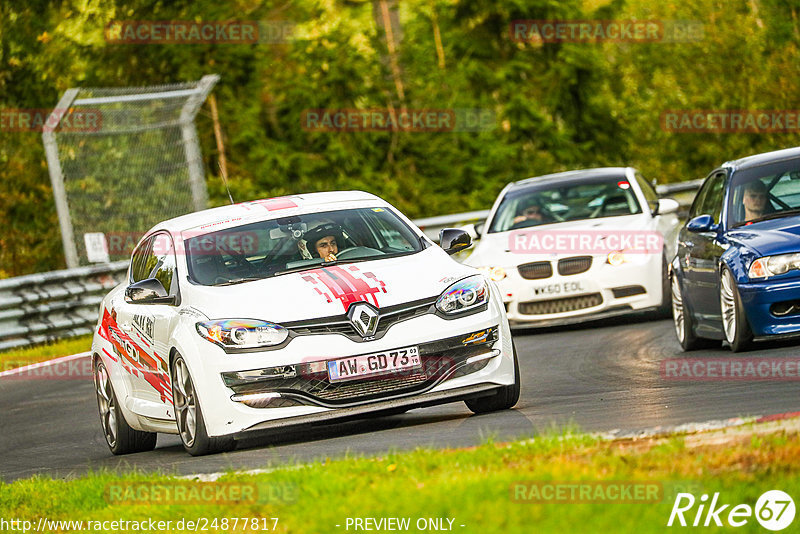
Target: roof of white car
[{"x": 223, "y": 216}]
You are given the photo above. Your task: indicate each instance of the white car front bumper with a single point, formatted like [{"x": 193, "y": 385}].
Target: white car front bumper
[
  {"x": 601, "y": 291},
  {"x": 304, "y": 394}
]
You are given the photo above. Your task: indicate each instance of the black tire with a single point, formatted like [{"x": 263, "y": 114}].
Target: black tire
[
  {"x": 682, "y": 319},
  {"x": 734, "y": 320},
  {"x": 189, "y": 416},
  {"x": 120, "y": 437},
  {"x": 506, "y": 397}
]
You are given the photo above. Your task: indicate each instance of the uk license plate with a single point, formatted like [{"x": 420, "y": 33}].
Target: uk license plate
[
  {"x": 562, "y": 288},
  {"x": 390, "y": 361}
]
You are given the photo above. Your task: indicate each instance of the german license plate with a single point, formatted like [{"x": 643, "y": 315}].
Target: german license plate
[
  {"x": 563, "y": 288},
  {"x": 379, "y": 363}
]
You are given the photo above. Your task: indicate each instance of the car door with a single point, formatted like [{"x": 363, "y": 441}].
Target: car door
[
  {"x": 701, "y": 252},
  {"x": 147, "y": 327}
]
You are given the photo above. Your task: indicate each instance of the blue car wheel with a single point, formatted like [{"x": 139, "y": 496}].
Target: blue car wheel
[{"x": 734, "y": 321}]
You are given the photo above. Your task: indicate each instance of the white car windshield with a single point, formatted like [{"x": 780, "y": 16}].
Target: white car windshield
[
  {"x": 278, "y": 246},
  {"x": 574, "y": 200}
]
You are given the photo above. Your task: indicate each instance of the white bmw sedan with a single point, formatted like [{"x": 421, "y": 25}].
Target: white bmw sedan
[
  {"x": 294, "y": 310},
  {"x": 578, "y": 245}
]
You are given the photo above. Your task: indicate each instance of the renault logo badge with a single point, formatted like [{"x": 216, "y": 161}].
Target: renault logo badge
[{"x": 364, "y": 318}]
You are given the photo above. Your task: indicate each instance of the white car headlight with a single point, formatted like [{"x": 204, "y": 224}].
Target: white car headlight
[
  {"x": 774, "y": 265},
  {"x": 621, "y": 257},
  {"x": 464, "y": 295},
  {"x": 242, "y": 333},
  {"x": 495, "y": 273}
]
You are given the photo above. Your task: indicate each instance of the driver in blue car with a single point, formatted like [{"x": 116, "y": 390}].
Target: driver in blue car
[
  {"x": 755, "y": 201},
  {"x": 323, "y": 240}
]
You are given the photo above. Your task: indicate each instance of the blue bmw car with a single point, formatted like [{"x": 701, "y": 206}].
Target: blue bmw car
[{"x": 736, "y": 273}]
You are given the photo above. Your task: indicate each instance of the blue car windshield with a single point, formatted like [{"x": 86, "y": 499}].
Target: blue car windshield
[
  {"x": 574, "y": 200},
  {"x": 764, "y": 192}
]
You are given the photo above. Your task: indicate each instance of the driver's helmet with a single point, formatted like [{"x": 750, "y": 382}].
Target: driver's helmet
[{"x": 308, "y": 245}]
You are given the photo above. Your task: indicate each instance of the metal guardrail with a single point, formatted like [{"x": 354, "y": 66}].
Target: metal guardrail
[{"x": 43, "y": 307}]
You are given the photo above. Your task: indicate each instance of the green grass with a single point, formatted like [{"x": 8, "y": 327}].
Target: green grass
[
  {"x": 14, "y": 358},
  {"x": 471, "y": 486}
]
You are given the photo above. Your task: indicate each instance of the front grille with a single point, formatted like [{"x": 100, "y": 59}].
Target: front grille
[
  {"x": 576, "y": 265},
  {"x": 568, "y": 304},
  {"x": 536, "y": 270},
  {"x": 440, "y": 360},
  {"x": 367, "y": 388},
  {"x": 627, "y": 291}
]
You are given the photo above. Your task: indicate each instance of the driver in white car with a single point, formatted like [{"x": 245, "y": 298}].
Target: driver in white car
[{"x": 324, "y": 240}]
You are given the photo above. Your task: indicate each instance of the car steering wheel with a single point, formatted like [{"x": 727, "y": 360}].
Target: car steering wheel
[{"x": 356, "y": 252}]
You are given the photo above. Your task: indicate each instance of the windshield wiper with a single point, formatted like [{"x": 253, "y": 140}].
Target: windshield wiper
[
  {"x": 238, "y": 281},
  {"x": 300, "y": 268}
]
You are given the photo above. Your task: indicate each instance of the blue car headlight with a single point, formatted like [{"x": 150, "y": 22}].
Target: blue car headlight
[
  {"x": 464, "y": 295},
  {"x": 242, "y": 333},
  {"x": 774, "y": 265}
]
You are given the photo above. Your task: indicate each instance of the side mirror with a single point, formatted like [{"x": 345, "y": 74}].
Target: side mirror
[
  {"x": 149, "y": 291},
  {"x": 479, "y": 227},
  {"x": 453, "y": 240},
  {"x": 666, "y": 206},
  {"x": 700, "y": 224}
]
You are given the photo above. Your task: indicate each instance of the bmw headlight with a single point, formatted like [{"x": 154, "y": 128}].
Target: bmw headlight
[
  {"x": 622, "y": 257},
  {"x": 495, "y": 273},
  {"x": 774, "y": 265},
  {"x": 465, "y": 295},
  {"x": 242, "y": 333}
]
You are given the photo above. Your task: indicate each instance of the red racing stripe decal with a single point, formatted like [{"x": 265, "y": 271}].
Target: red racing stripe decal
[
  {"x": 346, "y": 285},
  {"x": 146, "y": 366}
]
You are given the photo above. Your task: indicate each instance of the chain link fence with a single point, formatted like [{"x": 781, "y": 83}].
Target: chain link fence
[{"x": 120, "y": 161}]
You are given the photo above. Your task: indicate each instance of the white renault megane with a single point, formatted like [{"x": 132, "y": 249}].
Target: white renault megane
[{"x": 294, "y": 310}]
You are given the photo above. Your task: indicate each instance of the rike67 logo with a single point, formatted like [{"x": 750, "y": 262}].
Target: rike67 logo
[{"x": 774, "y": 510}]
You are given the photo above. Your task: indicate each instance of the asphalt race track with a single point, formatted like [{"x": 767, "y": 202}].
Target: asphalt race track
[{"x": 600, "y": 377}]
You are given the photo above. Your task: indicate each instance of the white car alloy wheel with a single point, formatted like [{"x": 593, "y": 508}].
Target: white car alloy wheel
[
  {"x": 107, "y": 405},
  {"x": 727, "y": 302},
  {"x": 678, "y": 311},
  {"x": 185, "y": 402}
]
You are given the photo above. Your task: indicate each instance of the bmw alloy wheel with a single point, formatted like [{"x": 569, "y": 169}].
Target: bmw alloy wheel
[
  {"x": 727, "y": 302},
  {"x": 677, "y": 310}
]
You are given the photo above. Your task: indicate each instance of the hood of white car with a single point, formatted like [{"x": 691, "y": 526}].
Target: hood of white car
[
  {"x": 328, "y": 291},
  {"x": 494, "y": 249}
]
